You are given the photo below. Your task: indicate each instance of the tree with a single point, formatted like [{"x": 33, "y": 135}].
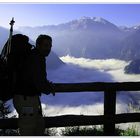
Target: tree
[{"x": 4, "y": 111}]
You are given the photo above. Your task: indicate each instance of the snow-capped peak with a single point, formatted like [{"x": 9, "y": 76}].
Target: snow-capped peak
[
  {"x": 84, "y": 18},
  {"x": 95, "y": 19},
  {"x": 99, "y": 19}
]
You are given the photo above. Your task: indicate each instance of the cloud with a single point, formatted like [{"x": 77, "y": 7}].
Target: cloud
[
  {"x": 104, "y": 65},
  {"x": 87, "y": 103}
]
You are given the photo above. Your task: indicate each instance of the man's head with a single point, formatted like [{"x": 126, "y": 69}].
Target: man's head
[{"x": 44, "y": 44}]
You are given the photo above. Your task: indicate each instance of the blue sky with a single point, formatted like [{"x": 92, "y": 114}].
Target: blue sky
[{"x": 48, "y": 14}]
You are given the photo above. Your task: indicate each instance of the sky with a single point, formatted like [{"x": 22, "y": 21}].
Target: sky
[{"x": 34, "y": 14}]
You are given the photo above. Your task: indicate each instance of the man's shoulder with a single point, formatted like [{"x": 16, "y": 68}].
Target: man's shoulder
[
  {"x": 36, "y": 56},
  {"x": 35, "y": 53}
]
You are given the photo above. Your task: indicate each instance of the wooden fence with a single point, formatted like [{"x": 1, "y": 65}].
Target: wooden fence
[{"x": 108, "y": 120}]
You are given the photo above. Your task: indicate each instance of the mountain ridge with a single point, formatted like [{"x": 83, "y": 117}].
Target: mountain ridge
[{"x": 89, "y": 37}]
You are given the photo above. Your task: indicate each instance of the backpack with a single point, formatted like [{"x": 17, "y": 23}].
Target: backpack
[{"x": 19, "y": 51}]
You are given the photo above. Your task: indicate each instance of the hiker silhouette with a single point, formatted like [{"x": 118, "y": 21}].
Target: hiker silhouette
[
  {"x": 29, "y": 78},
  {"x": 23, "y": 77},
  {"x": 29, "y": 65}
]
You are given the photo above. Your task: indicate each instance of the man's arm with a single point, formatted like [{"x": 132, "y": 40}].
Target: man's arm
[{"x": 39, "y": 77}]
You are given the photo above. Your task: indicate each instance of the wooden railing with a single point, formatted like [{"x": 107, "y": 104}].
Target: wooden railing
[{"x": 108, "y": 120}]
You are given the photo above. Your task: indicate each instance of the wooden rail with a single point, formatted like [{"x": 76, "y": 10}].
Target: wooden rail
[{"x": 109, "y": 119}]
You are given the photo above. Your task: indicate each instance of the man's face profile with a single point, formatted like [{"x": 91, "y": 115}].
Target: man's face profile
[{"x": 45, "y": 47}]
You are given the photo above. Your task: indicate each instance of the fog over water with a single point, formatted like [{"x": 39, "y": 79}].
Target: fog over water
[{"x": 79, "y": 70}]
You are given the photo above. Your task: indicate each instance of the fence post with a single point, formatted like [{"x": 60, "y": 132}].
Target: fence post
[{"x": 109, "y": 112}]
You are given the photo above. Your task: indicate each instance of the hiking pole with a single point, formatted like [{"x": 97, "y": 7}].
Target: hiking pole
[
  {"x": 10, "y": 36},
  {"x": 7, "y": 48}
]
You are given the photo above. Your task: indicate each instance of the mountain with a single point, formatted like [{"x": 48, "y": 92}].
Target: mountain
[
  {"x": 130, "y": 49},
  {"x": 84, "y": 23},
  {"x": 52, "y": 60},
  {"x": 133, "y": 67},
  {"x": 127, "y": 30},
  {"x": 89, "y": 37},
  {"x": 4, "y": 33},
  {"x": 131, "y": 46}
]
